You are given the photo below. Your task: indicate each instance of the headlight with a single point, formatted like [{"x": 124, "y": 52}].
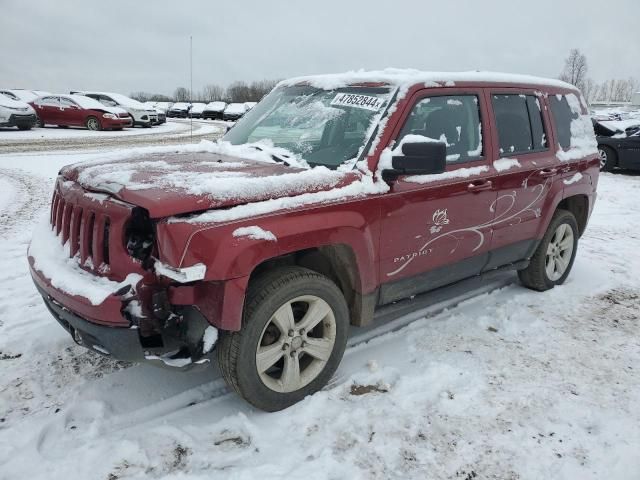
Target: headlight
[{"x": 109, "y": 115}]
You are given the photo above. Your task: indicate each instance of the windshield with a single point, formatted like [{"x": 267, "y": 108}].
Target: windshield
[{"x": 323, "y": 127}]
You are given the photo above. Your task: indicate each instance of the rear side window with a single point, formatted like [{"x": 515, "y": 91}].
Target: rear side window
[
  {"x": 519, "y": 122},
  {"x": 452, "y": 119},
  {"x": 562, "y": 118}
]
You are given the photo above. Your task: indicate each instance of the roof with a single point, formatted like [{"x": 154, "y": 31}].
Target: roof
[{"x": 408, "y": 77}]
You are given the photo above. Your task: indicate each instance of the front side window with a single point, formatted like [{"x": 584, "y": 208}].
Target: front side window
[
  {"x": 322, "y": 127},
  {"x": 519, "y": 123},
  {"x": 67, "y": 103},
  {"x": 452, "y": 119}
]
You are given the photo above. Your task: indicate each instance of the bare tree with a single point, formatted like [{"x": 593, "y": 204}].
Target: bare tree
[
  {"x": 238, "y": 92},
  {"x": 575, "y": 69},
  {"x": 181, "y": 94},
  {"x": 141, "y": 96},
  {"x": 212, "y": 92}
]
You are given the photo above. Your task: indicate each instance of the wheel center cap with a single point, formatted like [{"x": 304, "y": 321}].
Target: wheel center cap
[{"x": 296, "y": 343}]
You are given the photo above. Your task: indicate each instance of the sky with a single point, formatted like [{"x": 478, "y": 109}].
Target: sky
[{"x": 125, "y": 46}]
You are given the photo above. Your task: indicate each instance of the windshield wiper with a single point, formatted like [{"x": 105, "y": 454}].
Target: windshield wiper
[{"x": 274, "y": 157}]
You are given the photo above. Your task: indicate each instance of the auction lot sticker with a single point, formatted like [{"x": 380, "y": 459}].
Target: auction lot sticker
[{"x": 355, "y": 100}]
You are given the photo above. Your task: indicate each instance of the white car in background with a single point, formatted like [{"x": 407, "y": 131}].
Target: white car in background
[
  {"x": 197, "y": 109},
  {"x": 23, "y": 95},
  {"x": 250, "y": 105},
  {"x": 15, "y": 113},
  {"x": 139, "y": 112},
  {"x": 214, "y": 110},
  {"x": 234, "y": 111}
]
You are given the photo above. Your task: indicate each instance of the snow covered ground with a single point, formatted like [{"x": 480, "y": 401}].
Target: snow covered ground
[{"x": 510, "y": 384}]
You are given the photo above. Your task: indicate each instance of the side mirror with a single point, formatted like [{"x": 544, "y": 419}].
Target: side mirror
[{"x": 419, "y": 158}]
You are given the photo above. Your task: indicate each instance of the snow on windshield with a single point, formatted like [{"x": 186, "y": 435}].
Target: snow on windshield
[{"x": 323, "y": 127}]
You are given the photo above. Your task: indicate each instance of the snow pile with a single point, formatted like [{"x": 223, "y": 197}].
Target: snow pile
[
  {"x": 209, "y": 338},
  {"x": 576, "y": 177},
  {"x": 52, "y": 260},
  {"x": 505, "y": 164},
  {"x": 583, "y": 140},
  {"x": 255, "y": 233}
]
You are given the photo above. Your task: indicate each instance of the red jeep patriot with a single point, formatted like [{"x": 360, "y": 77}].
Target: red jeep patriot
[{"x": 336, "y": 194}]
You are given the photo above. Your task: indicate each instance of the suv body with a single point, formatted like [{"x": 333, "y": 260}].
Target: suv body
[
  {"x": 140, "y": 113},
  {"x": 434, "y": 178}
]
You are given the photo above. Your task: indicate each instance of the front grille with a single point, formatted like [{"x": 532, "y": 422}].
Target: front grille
[{"x": 87, "y": 231}]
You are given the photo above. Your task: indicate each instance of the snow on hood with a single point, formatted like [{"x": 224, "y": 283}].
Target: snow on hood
[
  {"x": 236, "y": 108},
  {"x": 10, "y": 103},
  {"x": 216, "y": 106},
  {"x": 172, "y": 181},
  {"x": 407, "y": 77}
]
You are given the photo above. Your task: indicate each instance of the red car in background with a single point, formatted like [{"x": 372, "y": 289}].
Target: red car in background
[{"x": 79, "y": 111}]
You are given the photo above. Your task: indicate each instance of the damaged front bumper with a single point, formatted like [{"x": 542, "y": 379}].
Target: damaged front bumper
[{"x": 174, "y": 341}]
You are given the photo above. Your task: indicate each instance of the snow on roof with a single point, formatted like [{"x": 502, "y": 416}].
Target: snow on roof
[{"x": 407, "y": 77}]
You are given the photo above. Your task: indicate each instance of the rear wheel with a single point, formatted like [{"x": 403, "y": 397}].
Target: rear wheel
[
  {"x": 133, "y": 121},
  {"x": 93, "y": 123},
  {"x": 292, "y": 339},
  {"x": 24, "y": 127},
  {"x": 608, "y": 158},
  {"x": 552, "y": 261},
  {"x": 40, "y": 123}
]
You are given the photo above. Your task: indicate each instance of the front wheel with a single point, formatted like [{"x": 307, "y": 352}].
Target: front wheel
[
  {"x": 552, "y": 261},
  {"x": 292, "y": 339},
  {"x": 93, "y": 123}
]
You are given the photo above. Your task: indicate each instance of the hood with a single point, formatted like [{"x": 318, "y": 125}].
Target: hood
[
  {"x": 168, "y": 184},
  {"x": 115, "y": 110}
]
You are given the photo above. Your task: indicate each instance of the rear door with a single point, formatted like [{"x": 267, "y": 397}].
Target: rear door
[
  {"x": 436, "y": 228},
  {"x": 525, "y": 170},
  {"x": 48, "y": 109}
]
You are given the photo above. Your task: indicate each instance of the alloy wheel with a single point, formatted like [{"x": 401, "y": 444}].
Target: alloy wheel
[
  {"x": 559, "y": 252},
  {"x": 92, "y": 124},
  {"x": 296, "y": 344},
  {"x": 603, "y": 158}
]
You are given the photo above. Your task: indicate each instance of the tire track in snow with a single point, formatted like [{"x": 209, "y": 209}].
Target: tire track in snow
[{"x": 29, "y": 201}]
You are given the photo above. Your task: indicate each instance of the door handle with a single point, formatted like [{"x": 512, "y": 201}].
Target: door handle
[
  {"x": 548, "y": 172},
  {"x": 480, "y": 185}
]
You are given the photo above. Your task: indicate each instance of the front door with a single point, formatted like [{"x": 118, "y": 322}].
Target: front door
[
  {"x": 436, "y": 229},
  {"x": 70, "y": 112}
]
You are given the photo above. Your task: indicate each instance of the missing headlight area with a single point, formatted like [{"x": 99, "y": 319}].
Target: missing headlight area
[{"x": 140, "y": 236}]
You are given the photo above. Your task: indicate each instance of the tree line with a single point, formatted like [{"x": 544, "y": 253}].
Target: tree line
[
  {"x": 613, "y": 90},
  {"x": 236, "y": 92}
]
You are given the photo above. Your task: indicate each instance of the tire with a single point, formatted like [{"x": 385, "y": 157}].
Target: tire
[
  {"x": 40, "y": 123},
  {"x": 92, "y": 123},
  {"x": 276, "y": 292},
  {"x": 551, "y": 263},
  {"x": 133, "y": 122},
  {"x": 608, "y": 158},
  {"x": 24, "y": 127}
]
